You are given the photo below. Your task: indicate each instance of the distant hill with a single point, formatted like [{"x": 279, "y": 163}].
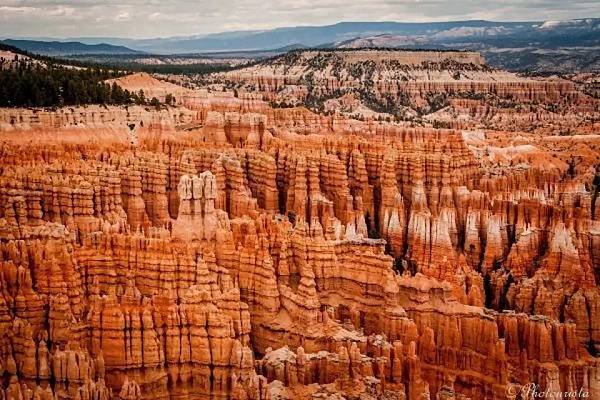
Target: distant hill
[
  {"x": 56, "y": 48},
  {"x": 306, "y": 36},
  {"x": 551, "y": 46},
  {"x": 6, "y": 48},
  {"x": 570, "y": 45},
  {"x": 548, "y": 33}
]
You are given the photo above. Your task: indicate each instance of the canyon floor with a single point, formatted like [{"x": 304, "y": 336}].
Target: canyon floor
[{"x": 323, "y": 225}]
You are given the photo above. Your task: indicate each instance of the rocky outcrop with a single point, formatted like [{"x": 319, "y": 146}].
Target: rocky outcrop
[
  {"x": 411, "y": 78},
  {"x": 197, "y": 218}
]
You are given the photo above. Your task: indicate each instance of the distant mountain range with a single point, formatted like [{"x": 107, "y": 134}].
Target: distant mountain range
[
  {"x": 536, "y": 45},
  {"x": 58, "y": 48}
]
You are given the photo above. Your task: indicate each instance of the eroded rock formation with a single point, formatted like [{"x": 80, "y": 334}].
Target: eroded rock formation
[{"x": 234, "y": 250}]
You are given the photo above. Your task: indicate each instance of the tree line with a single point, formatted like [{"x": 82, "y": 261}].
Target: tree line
[
  {"x": 29, "y": 83},
  {"x": 30, "y": 80}
]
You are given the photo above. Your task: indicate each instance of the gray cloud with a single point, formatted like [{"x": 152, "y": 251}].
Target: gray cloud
[{"x": 159, "y": 18}]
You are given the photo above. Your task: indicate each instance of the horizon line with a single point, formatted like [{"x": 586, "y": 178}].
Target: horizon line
[{"x": 198, "y": 35}]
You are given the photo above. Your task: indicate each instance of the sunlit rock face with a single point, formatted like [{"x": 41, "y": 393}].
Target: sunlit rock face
[{"x": 223, "y": 248}]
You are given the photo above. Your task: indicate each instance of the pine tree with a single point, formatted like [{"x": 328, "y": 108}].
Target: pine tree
[{"x": 142, "y": 97}]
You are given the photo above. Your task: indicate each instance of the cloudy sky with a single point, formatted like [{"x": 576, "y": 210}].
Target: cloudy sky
[{"x": 160, "y": 18}]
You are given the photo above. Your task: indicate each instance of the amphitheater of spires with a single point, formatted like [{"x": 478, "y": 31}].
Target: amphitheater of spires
[{"x": 225, "y": 248}]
